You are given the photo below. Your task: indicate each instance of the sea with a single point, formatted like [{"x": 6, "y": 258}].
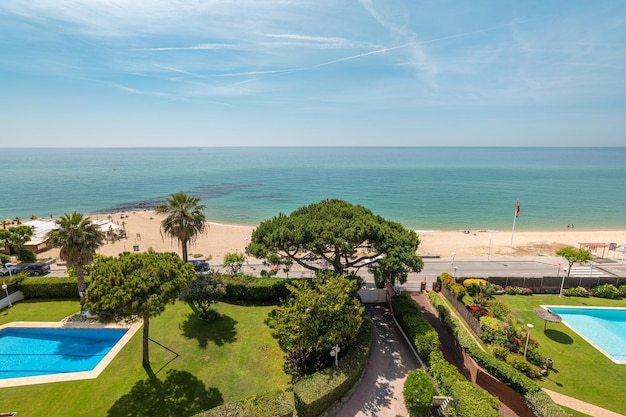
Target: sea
[{"x": 423, "y": 188}]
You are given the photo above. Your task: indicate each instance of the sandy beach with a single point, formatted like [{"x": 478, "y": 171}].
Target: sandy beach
[{"x": 143, "y": 230}]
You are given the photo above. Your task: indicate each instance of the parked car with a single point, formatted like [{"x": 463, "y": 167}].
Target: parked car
[
  {"x": 36, "y": 268},
  {"x": 7, "y": 269},
  {"x": 200, "y": 266}
]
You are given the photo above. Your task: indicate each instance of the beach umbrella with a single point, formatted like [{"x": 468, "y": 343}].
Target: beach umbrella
[{"x": 547, "y": 315}]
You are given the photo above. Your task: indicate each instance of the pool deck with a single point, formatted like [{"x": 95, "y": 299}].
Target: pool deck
[{"x": 70, "y": 376}]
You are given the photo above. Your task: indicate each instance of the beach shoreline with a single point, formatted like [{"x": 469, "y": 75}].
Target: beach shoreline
[{"x": 143, "y": 232}]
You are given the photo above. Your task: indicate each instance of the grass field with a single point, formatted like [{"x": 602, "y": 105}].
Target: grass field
[
  {"x": 580, "y": 371},
  {"x": 214, "y": 362}
]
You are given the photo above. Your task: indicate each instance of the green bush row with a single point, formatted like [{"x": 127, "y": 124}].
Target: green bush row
[
  {"x": 316, "y": 393},
  {"x": 417, "y": 328},
  {"x": 418, "y": 392},
  {"x": 500, "y": 370},
  {"x": 50, "y": 287},
  {"x": 250, "y": 288},
  {"x": 266, "y": 404},
  {"x": 469, "y": 401}
]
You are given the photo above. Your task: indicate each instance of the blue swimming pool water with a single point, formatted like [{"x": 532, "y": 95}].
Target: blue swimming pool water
[
  {"x": 603, "y": 327},
  {"x": 34, "y": 351}
]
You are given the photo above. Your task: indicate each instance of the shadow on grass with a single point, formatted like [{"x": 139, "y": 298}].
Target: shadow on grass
[
  {"x": 219, "y": 331},
  {"x": 559, "y": 336},
  {"x": 180, "y": 394}
]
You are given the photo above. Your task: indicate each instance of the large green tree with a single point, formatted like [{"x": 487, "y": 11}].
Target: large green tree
[
  {"x": 315, "y": 319},
  {"x": 14, "y": 238},
  {"x": 573, "y": 255},
  {"x": 334, "y": 234},
  {"x": 204, "y": 291},
  {"x": 78, "y": 237},
  {"x": 185, "y": 219},
  {"x": 136, "y": 286}
]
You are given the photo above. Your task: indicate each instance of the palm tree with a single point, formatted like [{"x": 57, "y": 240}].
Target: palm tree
[
  {"x": 78, "y": 239},
  {"x": 185, "y": 220}
]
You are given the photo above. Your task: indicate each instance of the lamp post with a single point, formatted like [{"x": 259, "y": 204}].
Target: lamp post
[
  {"x": 562, "y": 282},
  {"x": 455, "y": 268},
  {"x": 334, "y": 352},
  {"x": 453, "y": 256},
  {"x": 530, "y": 326},
  {"x": 5, "y": 287},
  {"x": 489, "y": 253},
  {"x": 623, "y": 250},
  {"x": 590, "y": 269}
]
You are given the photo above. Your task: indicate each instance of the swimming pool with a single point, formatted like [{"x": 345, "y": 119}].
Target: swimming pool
[
  {"x": 602, "y": 327},
  {"x": 33, "y": 353}
]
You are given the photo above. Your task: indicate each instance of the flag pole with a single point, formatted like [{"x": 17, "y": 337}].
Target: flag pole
[{"x": 514, "y": 219}]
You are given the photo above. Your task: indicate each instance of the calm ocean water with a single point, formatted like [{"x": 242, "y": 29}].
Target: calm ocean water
[{"x": 422, "y": 188}]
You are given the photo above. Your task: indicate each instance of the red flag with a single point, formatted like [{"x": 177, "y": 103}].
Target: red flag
[{"x": 516, "y": 208}]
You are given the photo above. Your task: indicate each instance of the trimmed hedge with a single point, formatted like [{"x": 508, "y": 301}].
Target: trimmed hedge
[
  {"x": 418, "y": 392},
  {"x": 500, "y": 370},
  {"x": 469, "y": 400},
  {"x": 316, "y": 393},
  {"x": 262, "y": 405},
  {"x": 249, "y": 288},
  {"x": 50, "y": 287},
  {"x": 417, "y": 328}
]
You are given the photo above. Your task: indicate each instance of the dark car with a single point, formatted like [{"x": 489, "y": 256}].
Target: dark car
[
  {"x": 200, "y": 266},
  {"x": 37, "y": 268}
]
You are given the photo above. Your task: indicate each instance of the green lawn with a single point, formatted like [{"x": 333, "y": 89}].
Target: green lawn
[
  {"x": 580, "y": 370},
  {"x": 217, "y": 362}
]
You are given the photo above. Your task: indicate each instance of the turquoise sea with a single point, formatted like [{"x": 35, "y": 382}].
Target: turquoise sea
[{"x": 422, "y": 188}]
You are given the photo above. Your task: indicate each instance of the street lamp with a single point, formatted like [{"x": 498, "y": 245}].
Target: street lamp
[
  {"x": 5, "y": 287},
  {"x": 590, "y": 268},
  {"x": 530, "y": 326},
  {"x": 453, "y": 256},
  {"x": 489, "y": 254},
  {"x": 455, "y": 268},
  {"x": 562, "y": 282},
  {"x": 334, "y": 352}
]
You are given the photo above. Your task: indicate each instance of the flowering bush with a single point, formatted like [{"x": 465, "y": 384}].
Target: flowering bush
[
  {"x": 477, "y": 311},
  {"x": 622, "y": 290},
  {"x": 576, "y": 292},
  {"x": 606, "y": 291},
  {"x": 518, "y": 291}
]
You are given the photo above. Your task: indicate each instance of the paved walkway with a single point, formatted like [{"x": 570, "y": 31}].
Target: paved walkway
[
  {"x": 583, "y": 407},
  {"x": 379, "y": 393}
]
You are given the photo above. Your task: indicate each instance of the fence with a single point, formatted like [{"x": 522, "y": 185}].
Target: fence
[
  {"x": 462, "y": 310},
  {"x": 550, "y": 284}
]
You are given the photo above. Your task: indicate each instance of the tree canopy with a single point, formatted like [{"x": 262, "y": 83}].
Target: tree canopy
[
  {"x": 15, "y": 236},
  {"x": 136, "y": 285},
  {"x": 185, "y": 219},
  {"x": 573, "y": 255},
  {"x": 334, "y": 234},
  {"x": 314, "y": 319},
  {"x": 205, "y": 290},
  {"x": 78, "y": 239}
]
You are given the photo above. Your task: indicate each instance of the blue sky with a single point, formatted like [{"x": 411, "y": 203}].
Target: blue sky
[{"x": 312, "y": 72}]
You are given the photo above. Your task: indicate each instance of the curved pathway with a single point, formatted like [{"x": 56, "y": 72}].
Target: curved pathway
[{"x": 379, "y": 393}]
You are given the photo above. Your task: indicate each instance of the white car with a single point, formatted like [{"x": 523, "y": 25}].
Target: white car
[{"x": 7, "y": 269}]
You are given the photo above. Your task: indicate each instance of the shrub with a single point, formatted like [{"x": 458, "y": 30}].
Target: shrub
[
  {"x": 499, "y": 352},
  {"x": 261, "y": 405},
  {"x": 249, "y": 288},
  {"x": 499, "y": 309},
  {"x": 622, "y": 290},
  {"x": 474, "y": 281},
  {"x": 606, "y": 291},
  {"x": 493, "y": 331},
  {"x": 4, "y": 258},
  {"x": 543, "y": 405},
  {"x": 478, "y": 311},
  {"x": 509, "y": 290},
  {"x": 418, "y": 393},
  {"x": 576, "y": 292},
  {"x": 26, "y": 255},
  {"x": 316, "y": 393},
  {"x": 458, "y": 291}
]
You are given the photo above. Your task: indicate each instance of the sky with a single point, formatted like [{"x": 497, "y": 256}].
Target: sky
[{"x": 116, "y": 73}]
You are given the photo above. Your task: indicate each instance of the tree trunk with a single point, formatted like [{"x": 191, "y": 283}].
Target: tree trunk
[
  {"x": 184, "y": 246},
  {"x": 80, "y": 275},
  {"x": 146, "y": 332}
]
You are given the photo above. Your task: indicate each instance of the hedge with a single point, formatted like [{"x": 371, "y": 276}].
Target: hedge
[
  {"x": 469, "y": 400},
  {"x": 50, "y": 287},
  {"x": 266, "y": 404},
  {"x": 500, "y": 370},
  {"x": 418, "y": 393},
  {"x": 417, "y": 328},
  {"x": 249, "y": 288},
  {"x": 316, "y": 393}
]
